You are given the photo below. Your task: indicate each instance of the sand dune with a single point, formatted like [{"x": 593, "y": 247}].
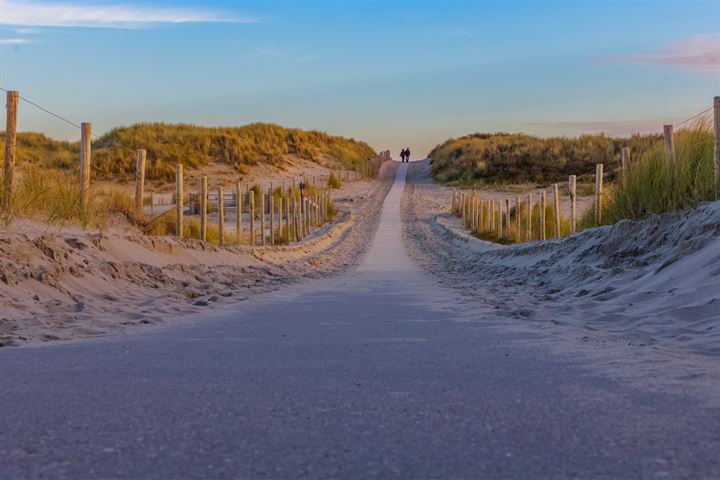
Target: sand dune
[{"x": 654, "y": 282}]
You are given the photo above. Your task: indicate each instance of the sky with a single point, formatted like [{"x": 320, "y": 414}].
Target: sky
[{"x": 394, "y": 73}]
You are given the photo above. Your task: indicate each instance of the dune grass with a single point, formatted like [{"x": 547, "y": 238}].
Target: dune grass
[
  {"x": 653, "y": 185},
  {"x": 504, "y": 159}
]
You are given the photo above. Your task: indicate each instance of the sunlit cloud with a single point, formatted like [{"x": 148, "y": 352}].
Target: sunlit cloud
[
  {"x": 699, "y": 52},
  {"x": 30, "y": 13},
  {"x": 14, "y": 41}
]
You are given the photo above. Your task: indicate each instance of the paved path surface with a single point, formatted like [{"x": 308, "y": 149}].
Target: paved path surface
[{"x": 377, "y": 373}]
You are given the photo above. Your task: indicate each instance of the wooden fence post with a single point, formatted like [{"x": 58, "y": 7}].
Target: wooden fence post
[
  {"x": 10, "y": 148},
  {"x": 179, "y": 200},
  {"x": 518, "y": 238},
  {"x": 203, "y": 208},
  {"x": 262, "y": 218},
  {"x": 287, "y": 218},
  {"x": 716, "y": 151},
  {"x": 572, "y": 185},
  {"x": 669, "y": 144},
  {"x": 221, "y": 216},
  {"x": 543, "y": 201},
  {"x": 598, "y": 192},
  {"x": 529, "y": 217},
  {"x": 507, "y": 218},
  {"x": 556, "y": 210},
  {"x": 140, "y": 182},
  {"x": 500, "y": 220},
  {"x": 625, "y": 152},
  {"x": 252, "y": 219},
  {"x": 238, "y": 212},
  {"x": 85, "y": 158},
  {"x": 272, "y": 219},
  {"x": 280, "y": 217}
]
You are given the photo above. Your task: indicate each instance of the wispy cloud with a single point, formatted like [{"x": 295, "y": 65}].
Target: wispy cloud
[
  {"x": 14, "y": 41},
  {"x": 31, "y": 13},
  {"x": 700, "y": 52}
]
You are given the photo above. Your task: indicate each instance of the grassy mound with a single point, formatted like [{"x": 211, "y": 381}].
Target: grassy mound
[
  {"x": 193, "y": 146},
  {"x": 518, "y": 158}
]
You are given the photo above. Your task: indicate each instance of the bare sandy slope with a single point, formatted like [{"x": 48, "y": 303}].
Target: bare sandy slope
[
  {"x": 650, "y": 283},
  {"x": 69, "y": 283}
]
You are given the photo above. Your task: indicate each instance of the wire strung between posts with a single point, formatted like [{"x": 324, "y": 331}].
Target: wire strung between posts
[
  {"x": 46, "y": 110},
  {"x": 693, "y": 117}
]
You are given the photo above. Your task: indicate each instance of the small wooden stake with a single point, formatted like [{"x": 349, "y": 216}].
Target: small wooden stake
[
  {"x": 238, "y": 212},
  {"x": 252, "y": 219},
  {"x": 716, "y": 151},
  {"x": 272, "y": 219},
  {"x": 625, "y": 152},
  {"x": 518, "y": 237},
  {"x": 556, "y": 209},
  {"x": 203, "y": 208},
  {"x": 85, "y": 158},
  {"x": 221, "y": 216},
  {"x": 598, "y": 192},
  {"x": 529, "y": 217},
  {"x": 507, "y": 218},
  {"x": 140, "y": 182},
  {"x": 179, "y": 200},
  {"x": 572, "y": 184},
  {"x": 262, "y": 219},
  {"x": 10, "y": 149},
  {"x": 543, "y": 202}
]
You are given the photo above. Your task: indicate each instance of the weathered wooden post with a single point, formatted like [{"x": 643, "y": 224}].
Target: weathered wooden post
[
  {"x": 238, "y": 212},
  {"x": 669, "y": 144},
  {"x": 556, "y": 209},
  {"x": 85, "y": 158},
  {"x": 572, "y": 184},
  {"x": 500, "y": 220},
  {"x": 625, "y": 152},
  {"x": 203, "y": 208},
  {"x": 529, "y": 217},
  {"x": 280, "y": 217},
  {"x": 716, "y": 151},
  {"x": 543, "y": 202},
  {"x": 252, "y": 219},
  {"x": 10, "y": 149},
  {"x": 287, "y": 217},
  {"x": 598, "y": 192},
  {"x": 262, "y": 218},
  {"x": 179, "y": 200},
  {"x": 507, "y": 218},
  {"x": 518, "y": 237},
  {"x": 140, "y": 182},
  {"x": 221, "y": 215},
  {"x": 272, "y": 219}
]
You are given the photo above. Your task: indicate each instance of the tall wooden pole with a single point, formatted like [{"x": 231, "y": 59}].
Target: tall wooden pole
[
  {"x": 262, "y": 218},
  {"x": 669, "y": 144},
  {"x": 85, "y": 152},
  {"x": 272, "y": 219},
  {"x": 140, "y": 182},
  {"x": 179, "y": 195},
  {"x": 598, "y": 192},
  {"x": 203, "y": 208},
  {"x": 716, "y": 121},
  {"x": 573, "y": 203},
  {"x": 10, "y": 148}
]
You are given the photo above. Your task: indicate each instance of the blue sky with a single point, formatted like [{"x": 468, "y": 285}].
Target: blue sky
[{"x": 394, "y": 73}]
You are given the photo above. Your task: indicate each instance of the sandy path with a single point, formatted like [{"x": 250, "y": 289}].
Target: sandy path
[
  {"x": 61, "y": 284},
  {"x": 380, "y": 372}
]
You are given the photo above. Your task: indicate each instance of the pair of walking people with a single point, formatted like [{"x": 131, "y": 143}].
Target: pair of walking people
[{"x": 405, "y": 155}]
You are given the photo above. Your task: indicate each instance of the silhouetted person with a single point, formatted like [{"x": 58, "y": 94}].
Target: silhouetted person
[
  {"x": 407, "y": 154},
  {"x": 402, "y": 155}
]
